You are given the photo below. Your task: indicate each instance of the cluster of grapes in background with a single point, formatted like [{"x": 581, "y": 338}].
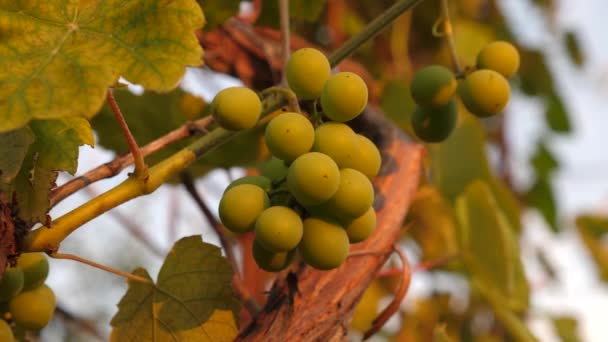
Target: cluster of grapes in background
[
  {"x": 314, "y": 197},
  {"x": 26, "y": 302},
  {"x": 484, "y": 91}
]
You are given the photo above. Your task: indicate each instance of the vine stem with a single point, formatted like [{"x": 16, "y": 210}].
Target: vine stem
[
  {"x": 73, "y": 257},
  {"x": 141, "y": 169},
  {"x": 371, "y": 30},
  {"x": 285, "y": 35},
  {"x": 448, "y": 33}
]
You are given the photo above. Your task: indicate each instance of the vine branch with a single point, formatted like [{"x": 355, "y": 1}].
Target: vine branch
[
  {"x": 448, "y": 33},
  {"x": 73, "y": 257},
  {"x": 285, "y": 35}
]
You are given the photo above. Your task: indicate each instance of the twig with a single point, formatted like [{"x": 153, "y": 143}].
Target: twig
[
  {"x": 114, "y": 167},
  {"x": 285, "y": 35},
  {"x": 82, "y": 324},
  {"x": 141, "y": 169},
  {"x": 174, "y": 209},
  {"x": 429, "y": 265},
  {"x": 100, "y": 266},
  {"x": 448, "y": 33},
  {"x": 379, "y": 322},
  {"x": 371, "y": 30}
]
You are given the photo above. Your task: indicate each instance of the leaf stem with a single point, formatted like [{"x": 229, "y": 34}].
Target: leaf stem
[
  {"x": 285, "y": 35},
  {"x": 448, "y": 33},
  {"x": 141, "y": 169},
  {"x": 371, "y": 30},
  {"x": 100, "y": 266}
]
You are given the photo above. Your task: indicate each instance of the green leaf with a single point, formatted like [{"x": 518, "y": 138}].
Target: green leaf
[
  {"x": 541, "y": 196},
  {"x": 556, "y": 114},
  {"x": 574, "y": 49},
  {"x": 191, "y": 301},
  {"x": 218, "y": 11},
  {"x": 536, "y": 79},
  {"x": 64, "y": 54},
  {"x": 13, "y": 148},
  {"x": 397, "y": 103},
  {"x": 308, "y": 10},
  {"x": 567, "y": 328},
  {"x": 593, "y": 230},
  {"x": 489, "y": 247},
  {"x": 543, "y": 161}
]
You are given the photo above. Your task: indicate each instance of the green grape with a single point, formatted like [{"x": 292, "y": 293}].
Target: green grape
[
  {"x": 6, "y": 333},
  {"x": 434, "y": 125},
  {"x": 237, "y": 108},
  {"x": 278, "y": 229},
  {"x": 240, "y": 207},
  {"x": 362, "y": 227},
  {"x": 324, "y": 244},
  {"x": 499, "y": 56},
  {"x": 35, "y": 268},
  {"x": 313, "y": 178},
  {"x": 11, "y": 283},
  {"x": 289, "y": 135},
  {"x": 344, "y": 96},
  {"x": 484, "y": 92},
  {"x": 306, "y": 71},
  {"x": 354, "y": 196},
  {"x": 336, "y": 140},
  {"x": 271, "y": 262},
  {"x": 274, "y": 169},
  {"x": 433, "y": 86},
  {"x": 367, "y": 159},
  {"x": 34, "y": 308},
  {"x": 261, "y": 181}
]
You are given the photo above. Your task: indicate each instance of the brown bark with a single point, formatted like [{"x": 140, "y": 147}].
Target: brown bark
[{"x": 317, "y": 305}]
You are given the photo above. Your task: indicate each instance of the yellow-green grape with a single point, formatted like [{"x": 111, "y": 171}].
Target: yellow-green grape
[
  {"x": 499, "y": 56},
  {"x": 313, "y": 178},
  {"x": 33, "y": 309},
  {"x": 274, "y": 169},
  {"x": 324, "y": 244},
  {"x": 434, "y": 125},
  {"x": 366, "y": 159},
  {"x": 271, "y": 262},
  {"x": 11, "y": 283},
  {"x": 261, "y": 181},
  {"x": 289, "y": 135},
  {"x": 35, "y": 268},
  {"x": 306, "y": 71},
  {"x": 433, "y": 86},
  {"x": 336, "y": 140},
  {"x": 6, "y": 333},
  {"x": 354, "y": 196},
  {"x": 484, "y": 92},
  {"x": 344, "y": 96},
  {"x": 362, "y": 227},
  {"x": 278, "y": 229},
  {"x": 240, "y": 207},
  {"x": 237, "y": 108}
]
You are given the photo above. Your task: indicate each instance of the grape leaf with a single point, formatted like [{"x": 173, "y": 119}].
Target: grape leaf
[
  {"x": 573, "y": 47},
  {"x": 593, "y": 230},
  {"x": 556, "y": 114},
  {"x": 59, "y": 57},
  {"x": 541, "y": 196},
  {"x": 218, "y": 11},
  {"x": 13, "y": 148},
  {"x": 397, "y": 103},
  {"x": 489, "y": 248},
  {"x": 567, "y": 328},
  {"x": 543, "y": 161},
  {"x": 192, "y": 299}
]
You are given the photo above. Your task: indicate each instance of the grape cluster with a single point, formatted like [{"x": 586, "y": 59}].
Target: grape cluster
[
  {"x": 484, "y": 92},
  {"x": 26, "y": 302},
  {"x": 314, "y": 197}
]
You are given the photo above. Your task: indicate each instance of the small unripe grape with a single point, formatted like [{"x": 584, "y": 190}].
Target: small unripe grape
[
  {"x": 484, "y": 92},
  {"x": 324, "y": 244},
  {"x": 367, "y": 159},
  {"x": 289, "y": 135},
  {"x": 11, "y": 283},
  {"x": 33, "y": 309},
  {"x": 354, "y": 196},
  {"x": 237, "y": 108},
  {"x": 278, "y": 229},
  {"x": 271, "y": 262},
  {"x": 362, "y": 227},
  {"x": 344, "y": 96},
  {"x": 306, "y": 71},
  {"x": 433, "y": 86},
  {"x": 35, "y": 267},
  {"x": 499, "y": 56},
  {"x": 434, "y": 125},
  {"x": 336, "y": 140},
  {"x": 240, "y": 207},
  {"x": 313, "y": 178},
  {"x": 274, "y": 169},
  {"x": 261, "y": 181},
  {"x": 6, "y": 333}
]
